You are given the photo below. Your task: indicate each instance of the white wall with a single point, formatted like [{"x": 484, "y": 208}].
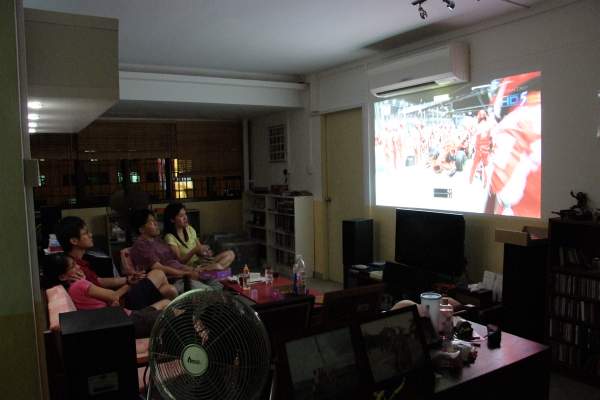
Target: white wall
[
  {"x": 562, "y": 39},
  {"x": 303, "y": 158},
  {"x": 559, "y": 37}
]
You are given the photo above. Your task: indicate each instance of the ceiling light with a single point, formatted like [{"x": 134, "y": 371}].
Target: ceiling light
[
  {"x": 32, "y": 130},
  {"x": 34, "y": 105},
  {"x": 33, "y": 117},
  {"x": 422, "y": 12},
  {"x": 450, "y": 4},
  {"x": 33, "y": 124}
]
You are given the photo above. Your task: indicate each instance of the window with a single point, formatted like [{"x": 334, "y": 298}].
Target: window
[
  {"x": 166, "y": 160},
  {"x": 134, "y": 177},
  {"x": 182, "y": 181},
  {"x": 58, "y": 182},
  {"x": 277, "y": 145}
]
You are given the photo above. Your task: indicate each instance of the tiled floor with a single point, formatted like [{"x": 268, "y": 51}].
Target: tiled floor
[
  {"x": 562, "y": 387},
  {"x": 324, "y": 286}
]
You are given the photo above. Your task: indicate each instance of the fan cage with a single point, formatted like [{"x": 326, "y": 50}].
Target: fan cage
[{"x": 228, "y": 331}]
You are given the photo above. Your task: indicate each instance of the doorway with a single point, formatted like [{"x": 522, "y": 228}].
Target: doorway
[{"x": 343, "y": 179}]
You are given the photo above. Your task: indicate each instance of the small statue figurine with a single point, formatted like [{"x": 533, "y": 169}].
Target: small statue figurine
[{"x": 581, "y": 209}]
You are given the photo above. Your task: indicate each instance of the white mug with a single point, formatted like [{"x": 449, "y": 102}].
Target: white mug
[{"x": 431, "y": 300}]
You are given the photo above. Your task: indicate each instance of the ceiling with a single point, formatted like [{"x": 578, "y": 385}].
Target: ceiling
[
  {"x": 267, "y": 36},
  {"x": 264, "y": 39}
]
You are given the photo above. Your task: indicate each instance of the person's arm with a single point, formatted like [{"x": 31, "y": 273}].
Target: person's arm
[
  {"x": 175, "y": 272},
  {"x": 184, "y": 258},
  {"x": 118, "y": 281},
  {"x": 107, "y": 295},
  {"x": 112, "y": 283},
  {"x": 202, "y": 249}
]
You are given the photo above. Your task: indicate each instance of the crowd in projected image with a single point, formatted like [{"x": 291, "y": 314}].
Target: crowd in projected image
[{"x": 468, "y": 149}]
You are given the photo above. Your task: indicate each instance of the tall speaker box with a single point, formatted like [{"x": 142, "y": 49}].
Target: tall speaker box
[
  {"x": 357, "y": 241},
  {"x": 524, "y": 289},
  {"x": 99, "y": 354}
]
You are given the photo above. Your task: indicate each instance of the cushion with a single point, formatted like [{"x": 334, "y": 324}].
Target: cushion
[
  {"x": 59, "y": 302},
  {"x": 141, "y": 350}
]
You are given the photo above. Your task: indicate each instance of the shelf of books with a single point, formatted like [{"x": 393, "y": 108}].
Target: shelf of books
[
  {"x": 284, "y": 226},
  {"x": 573, "y": 298}
]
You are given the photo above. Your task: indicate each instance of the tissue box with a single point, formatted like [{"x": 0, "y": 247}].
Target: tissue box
[{"x": 216, "y": 274}]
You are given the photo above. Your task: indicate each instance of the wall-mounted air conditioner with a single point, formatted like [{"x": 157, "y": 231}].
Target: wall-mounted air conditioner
[{"x": 425, "y": 70}]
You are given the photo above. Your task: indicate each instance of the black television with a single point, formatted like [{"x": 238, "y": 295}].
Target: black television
[{"x": 432, "y": 241}]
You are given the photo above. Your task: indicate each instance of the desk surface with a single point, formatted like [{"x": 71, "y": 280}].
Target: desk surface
[{"x": 518, "y": 359}]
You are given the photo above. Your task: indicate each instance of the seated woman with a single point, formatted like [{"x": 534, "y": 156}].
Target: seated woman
[
  {"x": 149, "y": 252},
  {"x": 183, "y": 241},
  {"x": 87, "y": 296}
]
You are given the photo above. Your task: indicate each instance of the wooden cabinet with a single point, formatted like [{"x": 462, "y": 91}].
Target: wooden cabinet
[
  {"x": 283, "y": 225},
  {"x": 573, "y": 300}
]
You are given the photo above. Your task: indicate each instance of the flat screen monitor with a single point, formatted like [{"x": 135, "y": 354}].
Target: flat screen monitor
[
  {"x": 432, "y": 241},
  {"x": 324, "y": 366},
  {"x": 394, "y": 345}
]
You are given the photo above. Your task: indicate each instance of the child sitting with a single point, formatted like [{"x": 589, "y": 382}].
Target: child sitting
[{"x": 87, "y": 296}]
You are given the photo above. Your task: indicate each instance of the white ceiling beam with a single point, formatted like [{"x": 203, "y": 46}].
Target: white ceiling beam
[{"x": 142, "y": 86}]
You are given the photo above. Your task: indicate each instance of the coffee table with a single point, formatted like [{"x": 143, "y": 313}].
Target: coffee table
[{"x": 262, "y": 293}]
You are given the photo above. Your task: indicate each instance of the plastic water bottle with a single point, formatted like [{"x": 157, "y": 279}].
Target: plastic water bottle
[
  {"x": 446, "y": 327},
  {"x": 268, "y": 274},
  {"x": 245, "y": 278},
  {"x": 299, "y": 271},
  {"x": 53, "y": 244}
]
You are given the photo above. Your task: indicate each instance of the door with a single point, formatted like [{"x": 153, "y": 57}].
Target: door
[{"x": 344, "y": 186}]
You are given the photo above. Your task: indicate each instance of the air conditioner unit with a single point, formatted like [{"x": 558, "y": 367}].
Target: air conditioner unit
[{"x": 425, "y": 70}]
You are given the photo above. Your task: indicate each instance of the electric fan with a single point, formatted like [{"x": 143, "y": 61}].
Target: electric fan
[{"x": 208, "y": 345}]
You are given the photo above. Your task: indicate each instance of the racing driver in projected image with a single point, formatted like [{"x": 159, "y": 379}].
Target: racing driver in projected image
[{"x": 515, "y": 165}]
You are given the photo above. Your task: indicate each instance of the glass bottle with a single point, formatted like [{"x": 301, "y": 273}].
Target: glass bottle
[
  {"x": 446, "y": 326},
  {"x": 245, "y": 277}
]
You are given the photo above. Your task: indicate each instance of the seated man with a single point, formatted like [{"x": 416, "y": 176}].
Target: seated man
[
  {"x": 149, "y": 252},
  {"x": 137, "y": 290}
]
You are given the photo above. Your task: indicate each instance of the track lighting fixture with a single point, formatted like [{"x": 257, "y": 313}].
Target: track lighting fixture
[
  {"x": 422, "y": 12},
  {"x": 450, "y": 4}
]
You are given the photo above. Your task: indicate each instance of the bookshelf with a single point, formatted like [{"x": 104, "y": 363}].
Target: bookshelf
[
  {"x": 283, "y": 227},
  {"x": 573, "y": 300}
]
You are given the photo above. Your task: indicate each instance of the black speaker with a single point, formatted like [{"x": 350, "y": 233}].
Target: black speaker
[
  {"x": 357, "y": 241},
  {"x": 99, "y": 354}
]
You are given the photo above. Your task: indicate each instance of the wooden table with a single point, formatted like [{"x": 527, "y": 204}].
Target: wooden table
[
  {"x": 519, "y": 367},
  {"x": 261, "y": 293}
]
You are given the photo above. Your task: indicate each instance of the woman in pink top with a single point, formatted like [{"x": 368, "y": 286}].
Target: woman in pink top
[{"x": 87, "y": 296}]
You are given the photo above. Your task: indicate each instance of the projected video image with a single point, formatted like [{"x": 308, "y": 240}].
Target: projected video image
[
  {"x": 393, "y": 346},
  {"x": 474, "y": 149}
]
